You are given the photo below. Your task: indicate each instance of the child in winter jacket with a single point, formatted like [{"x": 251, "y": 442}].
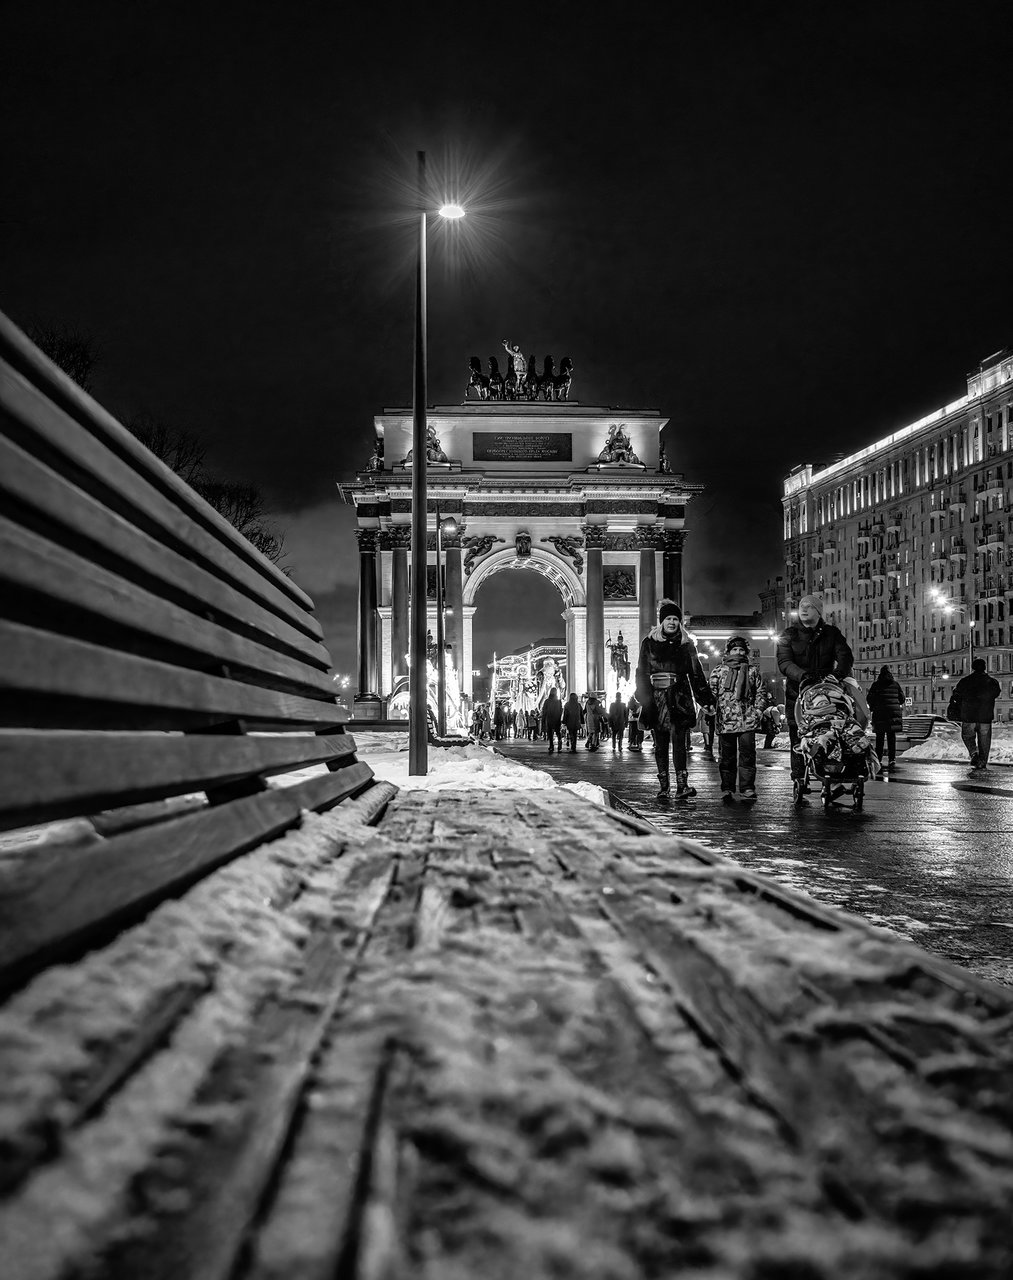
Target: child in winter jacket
[{"x": 738, "y": 691}]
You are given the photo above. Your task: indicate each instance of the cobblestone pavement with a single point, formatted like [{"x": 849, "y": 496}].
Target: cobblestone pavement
[{"x": 929, "y": 857}]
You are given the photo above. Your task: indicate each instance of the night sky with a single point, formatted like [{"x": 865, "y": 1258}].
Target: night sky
[{"x": 787, "y": 227}]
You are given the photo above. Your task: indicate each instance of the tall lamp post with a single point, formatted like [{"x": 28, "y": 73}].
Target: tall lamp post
[
  {"x": 418, "y": 722},
  {"x": 442, "y": 526}
]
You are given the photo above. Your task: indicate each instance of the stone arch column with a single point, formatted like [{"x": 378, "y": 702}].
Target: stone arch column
[
  {"x": 366, "y": 621},
  {"x": 400, "y": 540},
  {"x": 594, "y": 543},
  {"x": 454, "y": 603},
  {"x": 675, "y": 540},
  {"x": 647, "y": 588}
]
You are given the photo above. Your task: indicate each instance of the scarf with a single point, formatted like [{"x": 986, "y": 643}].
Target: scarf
[{"x": 733, "y": 678}]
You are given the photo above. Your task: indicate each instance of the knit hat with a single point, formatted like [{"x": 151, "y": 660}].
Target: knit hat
[
  {"x": 884, "y": 671},
  {"x": 737, "y": 642},
  {"x": 667, "y": 607},
  {"x": 815, "y": 601}
]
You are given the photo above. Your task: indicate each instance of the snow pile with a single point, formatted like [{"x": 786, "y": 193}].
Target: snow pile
[
  {"x": 945, "y": 743},
  {"x": 466, "y": 768}
]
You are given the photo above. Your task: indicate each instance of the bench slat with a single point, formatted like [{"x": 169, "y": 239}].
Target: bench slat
[
  {"x": 120, "y": 483},
  {"x": 63, "y": 505},
  {"x": 30, "y": 563},
  {"x": 46, "y": 776},
  {"x": 62, "y": 897},
  {"x": 107, "y": 688},
  {"x": 23, "y": 356}
]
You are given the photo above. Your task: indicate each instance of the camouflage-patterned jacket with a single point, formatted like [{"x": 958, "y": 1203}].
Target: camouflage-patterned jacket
[{"x": 734, "y": 716}]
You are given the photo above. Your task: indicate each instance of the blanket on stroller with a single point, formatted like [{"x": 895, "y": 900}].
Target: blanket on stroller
[{"x": 830, "y": 735}]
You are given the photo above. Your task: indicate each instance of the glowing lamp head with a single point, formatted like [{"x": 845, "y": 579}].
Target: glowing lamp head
[{"x": 451, "y": 211}]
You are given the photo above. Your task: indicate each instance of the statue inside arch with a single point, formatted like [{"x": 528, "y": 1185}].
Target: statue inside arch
[{"x": 550, "y": 677}]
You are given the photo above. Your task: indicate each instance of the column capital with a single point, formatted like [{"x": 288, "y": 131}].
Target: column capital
[
  {"x": 399, "y": 536},
  {"x": 675, "y": 539},
  {"x": 368, "y": 540},
  {"x": 646, "y": 536},
  {"x": 594, "y": 536}
]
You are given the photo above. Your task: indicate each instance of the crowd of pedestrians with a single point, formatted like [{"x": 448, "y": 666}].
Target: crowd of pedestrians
[{"x": 730, "y": 706}]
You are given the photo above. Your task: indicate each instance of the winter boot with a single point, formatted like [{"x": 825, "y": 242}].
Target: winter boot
[
  {"x": 663, "y": 785},
  {"x": 683, "y": 790}
]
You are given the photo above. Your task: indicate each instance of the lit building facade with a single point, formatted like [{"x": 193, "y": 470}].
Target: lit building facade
[{"x": 910, "y": 544}]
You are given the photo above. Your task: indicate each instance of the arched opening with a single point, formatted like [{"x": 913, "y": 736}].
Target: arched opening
[{"x": 513, "y": 610}]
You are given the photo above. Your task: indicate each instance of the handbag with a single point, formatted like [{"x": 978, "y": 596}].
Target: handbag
[{"x": 953, "y": 709}]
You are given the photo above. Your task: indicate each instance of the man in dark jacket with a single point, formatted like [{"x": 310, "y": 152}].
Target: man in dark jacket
[
  {"x": 553, "y": 716},
  {"x": 975, "y": 695},
  {"x": 809, "y": 647},
  {"x": 886, "y": 705},
  {"x": 618, "y": 717},
  {"x": 669, "y": 674}
]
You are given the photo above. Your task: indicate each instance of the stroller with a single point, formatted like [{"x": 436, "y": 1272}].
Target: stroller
[{"x": 835, "y": 748}]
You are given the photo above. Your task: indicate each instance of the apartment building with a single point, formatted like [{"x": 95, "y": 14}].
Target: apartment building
[{"x": 910, "y": 543}]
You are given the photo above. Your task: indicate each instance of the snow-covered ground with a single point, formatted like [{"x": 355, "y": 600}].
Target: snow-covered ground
[
  {"x": 468, "y": 768},
  {"x": 945, "y": 743}
]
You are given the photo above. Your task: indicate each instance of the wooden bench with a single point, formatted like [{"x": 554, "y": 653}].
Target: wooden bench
[{"x": 435, "y": 1035}]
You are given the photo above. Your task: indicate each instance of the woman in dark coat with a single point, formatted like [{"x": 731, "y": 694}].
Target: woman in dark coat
[
  {"x": 668, "y": 676},
  {"x": 573, "y": 714},
  {"x": 886, "y": 704},
  {"x": 553, "y": 716}
]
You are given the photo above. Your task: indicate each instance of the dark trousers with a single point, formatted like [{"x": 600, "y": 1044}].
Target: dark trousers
[
  {"x": 617, "y": 737},
  {"x": 554, "y": 732},
  {"x": 891, "y": 743},
  {"x": 977, "y": 738},
  {"x": 677, "y": 739},
  {"x": 737, "y": 753},
  {"x": 572, "y": 736},
  {"x": 797, "y": 766}
]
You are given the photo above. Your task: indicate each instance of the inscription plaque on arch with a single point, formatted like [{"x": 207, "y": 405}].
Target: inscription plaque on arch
[{"x": 536, "y": 446}]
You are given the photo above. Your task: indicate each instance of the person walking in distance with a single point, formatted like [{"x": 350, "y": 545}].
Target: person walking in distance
[
  {"x": 573, "y": 714},
  {"x": 975, "y": 697},
  {"x": 738, "y": 691},
  {"x": 592, "y": 723},
  {"x": 770, "y": 725},
  {"x": 886, "y": 706},
  {"x": 553, "y": 716},
  {"x": 618, "y": 719},
  {"x": 809, "y": 647},
  {"x": 707, "y": 724},
  {"x": 635, "y": 736},
  {"x": 668, "y": 675}
]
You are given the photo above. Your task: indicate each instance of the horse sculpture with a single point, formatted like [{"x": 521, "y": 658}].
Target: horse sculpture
[
  {"x": 531, "y": 380},
  {"x": 543, "y": 382},
  {"x": 562, "y": 380},
  {"x": 478, "y": 379},
  {"x": 496, "y": 385}
]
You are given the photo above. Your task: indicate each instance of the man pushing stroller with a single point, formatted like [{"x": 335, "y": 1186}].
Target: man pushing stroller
[{"x": 809, "y": 647}]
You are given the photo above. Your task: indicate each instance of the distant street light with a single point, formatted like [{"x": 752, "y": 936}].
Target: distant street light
[
  {"x": 941, "y": 601},
  {"x": 418, "y": 720}
]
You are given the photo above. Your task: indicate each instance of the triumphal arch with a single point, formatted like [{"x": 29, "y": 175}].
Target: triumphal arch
[{"x": 582, "y": 495}]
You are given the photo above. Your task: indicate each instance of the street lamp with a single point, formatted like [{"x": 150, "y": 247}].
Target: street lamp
[
  {"x": 418, "y": 722},
  {"x": 449, "y": 526},
  {"x": 941, "y": 601}
]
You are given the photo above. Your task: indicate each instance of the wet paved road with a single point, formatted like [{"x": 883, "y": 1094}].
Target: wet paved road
[{"x": 927, "y": 859}]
